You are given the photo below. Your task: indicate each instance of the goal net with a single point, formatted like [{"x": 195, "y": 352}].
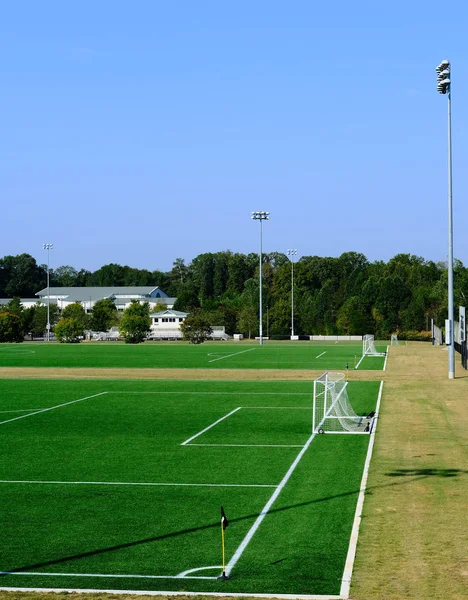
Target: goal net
[
  {"x": 368, "y": 346},
  {"x": 394, "y": 340},
  {"x": 332, "y": 410}
]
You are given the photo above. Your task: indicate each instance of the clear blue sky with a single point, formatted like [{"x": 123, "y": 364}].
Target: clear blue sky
[{"x": 140, "y": 132}]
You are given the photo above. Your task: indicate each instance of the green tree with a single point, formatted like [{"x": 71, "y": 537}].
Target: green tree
[
  {"x": 248, "y": 321},
  {"x": 38, "y": 318},
  {"x": 69, "y": 331},
  {"x": 196, "y": 328},
  {"x": 104, "y": 315},
  {"x": 77, "y": 312},
  {"x": 21, "y": 276},
  {"x": 10, "y": 328},
  {"x": 135, "y": 323}
]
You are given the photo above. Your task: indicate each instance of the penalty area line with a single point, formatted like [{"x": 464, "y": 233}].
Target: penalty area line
[
  {"x": 229, "y": 355},
  {"x": 321, "y": 354},
  {"x": 209, "y": 426},
  {"x": 43, "y": 410}
]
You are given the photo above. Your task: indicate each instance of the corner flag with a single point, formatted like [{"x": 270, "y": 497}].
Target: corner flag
[
  {"x": 224, "y": 524},
  {"x": 224, "y": 521}
]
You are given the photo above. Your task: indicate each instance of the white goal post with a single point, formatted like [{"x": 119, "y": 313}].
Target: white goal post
[
  {"x": 332, "y": 411},
  {"x": 368, "y": 346}
]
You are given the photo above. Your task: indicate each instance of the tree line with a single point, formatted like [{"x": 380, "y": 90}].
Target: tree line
[{"x": 342, "y": 295}]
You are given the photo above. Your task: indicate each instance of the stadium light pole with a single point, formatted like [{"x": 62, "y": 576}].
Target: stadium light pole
[
  {"x": 260, "y": 215},
  {"x": 48, "y": 247},
  {"x": 292, "y": 253},
  {"x": 444, "y": 86}
]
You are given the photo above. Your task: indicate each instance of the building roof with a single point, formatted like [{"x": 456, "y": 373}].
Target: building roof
[
  {"x": 85, "y": 294},
  {"x": 170, "y": 313}
]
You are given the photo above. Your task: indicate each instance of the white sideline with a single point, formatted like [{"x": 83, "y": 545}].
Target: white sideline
[
  {"x": 229, "y": 355},
  {"x": 321, "y": 354},
  {"x": 52, "y": 408},
  {"x": 243, "y": 545},
  {"x": 209, "y": 426},
  {"x": 385, "y": 363},
  {"x": 136, "y": 483},
  {"x": 349, "y": 564},
  {"x": 171, "y": 593}
]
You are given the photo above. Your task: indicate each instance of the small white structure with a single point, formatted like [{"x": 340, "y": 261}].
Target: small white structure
[{"x": 165, "y": 325}]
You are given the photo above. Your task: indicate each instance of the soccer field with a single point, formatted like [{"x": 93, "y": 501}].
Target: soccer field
[
  {"x": 210, "y": 355},
  {"x": 118, "y": 485}
]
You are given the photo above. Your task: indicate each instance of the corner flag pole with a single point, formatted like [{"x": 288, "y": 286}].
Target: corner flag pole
[{"x": 224, "y": 524}]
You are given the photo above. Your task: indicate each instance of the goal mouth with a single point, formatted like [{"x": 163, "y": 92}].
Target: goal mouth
[
  {"x": 332, "y": 410},
  {"x": 368, "y": 346}
]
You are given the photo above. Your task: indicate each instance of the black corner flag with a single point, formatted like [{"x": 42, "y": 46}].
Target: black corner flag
[
  {"x": 224, "y": 524},
  {"x": 224, "y": 521}
]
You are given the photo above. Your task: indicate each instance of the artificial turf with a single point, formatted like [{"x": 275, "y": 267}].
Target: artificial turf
[
  {"x": 82, "y": 516},
  {"x": 210, "y": 355}
]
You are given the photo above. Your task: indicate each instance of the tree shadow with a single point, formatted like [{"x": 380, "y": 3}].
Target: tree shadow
[
  {"x": 409, "y": 475},
  {"x": 426, "y": 472}
]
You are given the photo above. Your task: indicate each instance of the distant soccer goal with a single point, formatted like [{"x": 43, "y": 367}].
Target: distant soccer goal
[
  {"x": 332, "y": 410},
  {"x": 368, "y": 346},
  {"x": 394, "y": 340}
]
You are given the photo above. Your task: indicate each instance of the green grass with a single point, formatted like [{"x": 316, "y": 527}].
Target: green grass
[
  {"x": 212, "y": 355},
  {"x": 132, "y": 434}
]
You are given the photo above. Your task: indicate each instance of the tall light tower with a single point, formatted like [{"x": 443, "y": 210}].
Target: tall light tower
[
  {"x": 444, "y": 86},
  {"x": 260, "y": 215},
  {"x": 48, "y": 247},
  {"x": 291, "y": 252}
]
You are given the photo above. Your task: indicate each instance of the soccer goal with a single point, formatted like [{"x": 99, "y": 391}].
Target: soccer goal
[
  {"x": 368, "y": 346},
  {"x": 332, "y": 410},
  {"x": 394, "y": 340}
]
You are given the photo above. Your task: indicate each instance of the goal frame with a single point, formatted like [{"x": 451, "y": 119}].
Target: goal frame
[{"x": 329, "y": 403}]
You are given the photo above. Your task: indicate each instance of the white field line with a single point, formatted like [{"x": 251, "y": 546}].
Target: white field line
[
  {"x": 362, "y": 358},
  {"x": 20, "y": 410},
  {"x": 250, "y": 446},
  {"x": 140, "y": 483},
  {"x": 348, "y": 570},
  {"x": 209, "y": 426},
  {"x": 321, "y": 354},
  {"x": 221, "y": 393},
  {"x": 243, "y": 545},
  {"x": 40, "y": 574},
  {"x": 42, "y": 410},
  {"x": 385, "y": 363},
  {"x": 281, "y": 407},
  {"x": 229, "y": 355},
  {"x": 170, "y": 593}
]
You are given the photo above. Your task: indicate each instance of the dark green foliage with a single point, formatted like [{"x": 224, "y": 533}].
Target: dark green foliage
[
  {"x": 11, "y": 329},
  {"x": 135, "y": 323},
  {"x": 332, "y": 295},
  {"x": 196, "y": 328},
  {"x": 37, "y": 318},
  {"x": 77, "y": 312},
  {"x": 69, "y": 330},
  {"x": 104, "y": 315}
]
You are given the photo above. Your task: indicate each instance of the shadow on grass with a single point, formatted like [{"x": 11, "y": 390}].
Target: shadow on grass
[
  {"x": 409, "y": 475},
  {"x": 426, "y": 472}
]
